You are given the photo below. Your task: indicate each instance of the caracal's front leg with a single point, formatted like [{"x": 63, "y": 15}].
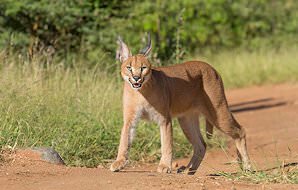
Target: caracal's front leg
[
  {"x": 166, "y": 136},
  {"x": 127, "y": 134}
]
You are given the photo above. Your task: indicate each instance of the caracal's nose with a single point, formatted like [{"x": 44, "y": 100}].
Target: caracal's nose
[{"x": 136, "y": 78}]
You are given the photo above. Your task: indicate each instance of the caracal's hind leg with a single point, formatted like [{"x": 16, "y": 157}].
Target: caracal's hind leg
[
  {"x": 240, "y": 141},
  {"x": 215, "y": 108},
  {"x": 191, "y": 129}
]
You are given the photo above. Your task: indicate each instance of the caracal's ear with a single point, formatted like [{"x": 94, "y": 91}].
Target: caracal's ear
[
  {"x": 146, "y": 50},
  {"x": 123, "y": 52}
]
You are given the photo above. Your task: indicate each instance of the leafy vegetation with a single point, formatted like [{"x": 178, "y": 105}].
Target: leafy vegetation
[
  {"x": 61, "y": 88},
  {"x": 91, "y": 27}
]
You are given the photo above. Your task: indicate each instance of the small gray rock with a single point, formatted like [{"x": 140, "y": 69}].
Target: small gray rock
[{"x": 49, "y": 155}]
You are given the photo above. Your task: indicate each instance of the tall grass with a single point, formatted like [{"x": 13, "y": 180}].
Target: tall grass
[
  {"x": 241, "y": 68},
  {"x": 78, "y": 110},
  {"x": 74, "y": 110}
]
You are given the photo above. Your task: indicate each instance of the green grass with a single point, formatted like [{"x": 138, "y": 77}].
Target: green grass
[
  {"x": 241, "y": 68},
  {"x": 78, "y": 111},
  {"x": 280, "y": 174}
]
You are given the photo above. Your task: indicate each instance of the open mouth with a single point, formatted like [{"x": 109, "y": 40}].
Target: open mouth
[{"x": 136, "y": 85}]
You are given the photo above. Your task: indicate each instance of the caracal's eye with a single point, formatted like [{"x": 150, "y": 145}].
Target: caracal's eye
[
  {"x": 143, "y": 68},
  {"x": 128, "y": 68}
]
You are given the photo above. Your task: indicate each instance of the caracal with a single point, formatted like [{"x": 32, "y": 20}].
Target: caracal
[{"x": 184, "y": 91}]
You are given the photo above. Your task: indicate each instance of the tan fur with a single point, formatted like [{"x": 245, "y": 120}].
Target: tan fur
[{"x": 184, "y": 91}]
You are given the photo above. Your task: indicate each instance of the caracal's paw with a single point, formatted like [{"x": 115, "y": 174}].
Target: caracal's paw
[
  {"x": 118, "y": 165},
  {"x": 186, "y": 170},
  {"x": 247, "y": 167},
  {"x": 162, "y": 168}
]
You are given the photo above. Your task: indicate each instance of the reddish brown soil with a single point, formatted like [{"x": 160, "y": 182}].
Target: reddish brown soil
[{"x": 269, "y": 115}]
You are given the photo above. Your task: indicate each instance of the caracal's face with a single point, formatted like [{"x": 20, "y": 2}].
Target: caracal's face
[{"x": 136, "y": 71}]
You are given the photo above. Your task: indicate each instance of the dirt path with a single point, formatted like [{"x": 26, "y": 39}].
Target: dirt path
[{"x": 269, "y": 114}]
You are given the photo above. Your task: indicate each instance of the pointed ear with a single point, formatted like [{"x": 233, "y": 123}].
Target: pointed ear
[
  {"x": 123, "y": 52},
  {"x": 146, "y": 50}
]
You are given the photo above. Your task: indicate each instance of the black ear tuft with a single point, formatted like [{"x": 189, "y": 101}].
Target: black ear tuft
[{"x": 146, "y": 50}]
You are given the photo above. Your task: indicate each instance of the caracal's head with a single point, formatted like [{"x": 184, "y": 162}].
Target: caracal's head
[{"x": 135, "y": 69}]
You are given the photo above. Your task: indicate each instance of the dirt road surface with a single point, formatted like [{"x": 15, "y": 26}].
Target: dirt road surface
[{"x": 269, "y": 115}]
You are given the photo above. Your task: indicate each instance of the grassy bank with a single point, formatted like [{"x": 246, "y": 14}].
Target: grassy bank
[
  {"x": 78, "y": 110},
  {"x": 241, "y": 68}
]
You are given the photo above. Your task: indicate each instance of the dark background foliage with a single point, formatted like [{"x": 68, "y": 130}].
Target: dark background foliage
[{"x": 91, "y": 27}]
